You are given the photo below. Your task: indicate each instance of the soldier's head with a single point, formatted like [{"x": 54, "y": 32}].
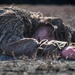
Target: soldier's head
[
  {"x": 51, "y": 28},
  {"x": 44, "y": 32}
]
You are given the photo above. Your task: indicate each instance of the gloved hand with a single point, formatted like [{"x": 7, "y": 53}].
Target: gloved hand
[{"x": 69, "y": 52}]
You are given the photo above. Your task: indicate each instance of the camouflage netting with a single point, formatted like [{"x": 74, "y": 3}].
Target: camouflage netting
[{"x": 18, "y": 25}]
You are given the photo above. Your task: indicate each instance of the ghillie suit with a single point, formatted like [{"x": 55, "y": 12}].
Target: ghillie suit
[{"x": 17, "y": 27}]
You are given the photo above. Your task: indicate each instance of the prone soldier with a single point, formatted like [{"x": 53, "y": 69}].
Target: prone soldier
[{"x": 24, "y": 32}]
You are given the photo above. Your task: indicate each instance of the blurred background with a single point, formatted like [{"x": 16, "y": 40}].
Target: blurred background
[{"x": 57, "y": 2}]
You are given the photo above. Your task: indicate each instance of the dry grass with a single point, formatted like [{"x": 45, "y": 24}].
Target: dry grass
[{"x": 67, "y": 13}]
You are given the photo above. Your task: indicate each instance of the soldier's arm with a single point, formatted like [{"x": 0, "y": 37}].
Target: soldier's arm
[
  {"x": 26, "y": 46},
  {"x": 57, "y": 48}
]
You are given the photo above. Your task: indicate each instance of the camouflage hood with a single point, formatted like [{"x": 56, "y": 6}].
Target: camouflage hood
[{"x": 61, "y": 31}]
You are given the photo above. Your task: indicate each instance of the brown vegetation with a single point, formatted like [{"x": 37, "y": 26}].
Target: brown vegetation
[{"x": 30, "y": 67}]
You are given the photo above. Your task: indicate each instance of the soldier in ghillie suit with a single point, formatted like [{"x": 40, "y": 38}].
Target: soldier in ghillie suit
[{"x": 27, "y": 33}]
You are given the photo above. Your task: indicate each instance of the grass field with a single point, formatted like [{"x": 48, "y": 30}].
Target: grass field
[{"x": 29, "y": 67}]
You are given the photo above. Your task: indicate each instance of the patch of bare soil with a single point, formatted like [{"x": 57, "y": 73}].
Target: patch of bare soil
[{"x": 43, "y": 67}]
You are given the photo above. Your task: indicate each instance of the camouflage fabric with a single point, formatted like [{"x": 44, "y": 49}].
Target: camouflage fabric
[{"x": 17, "y": 27}]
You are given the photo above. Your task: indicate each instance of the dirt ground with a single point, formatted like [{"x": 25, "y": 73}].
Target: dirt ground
[{"x": 39, "y": 66}]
